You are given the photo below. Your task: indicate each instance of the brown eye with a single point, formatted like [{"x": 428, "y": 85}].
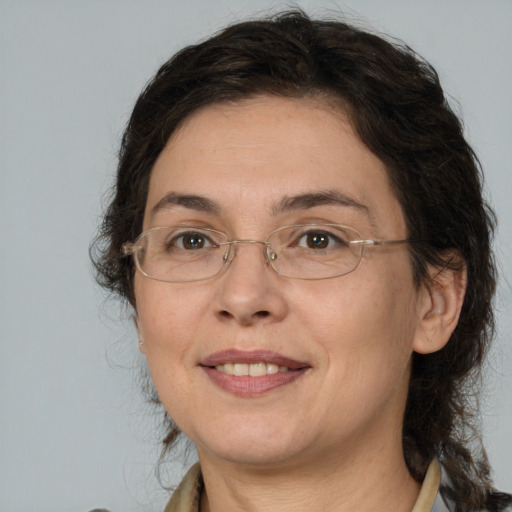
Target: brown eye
[
  {"x": 317, "y": 240},
  {"x": 192, "y": 241}
]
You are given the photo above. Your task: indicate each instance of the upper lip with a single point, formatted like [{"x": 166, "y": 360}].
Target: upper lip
[{"x": 250, "y": 357}]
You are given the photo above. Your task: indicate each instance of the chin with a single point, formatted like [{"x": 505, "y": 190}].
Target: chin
[
  {"x": 258, "y": 447},
  {"x": 257, "y": 458}
]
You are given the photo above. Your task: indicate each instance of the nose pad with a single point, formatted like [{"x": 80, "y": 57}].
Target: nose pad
[
  {"x": 268, "y": 254},
  {"x": 228, "y": 255},
  {"x": 248, "y": 293}
]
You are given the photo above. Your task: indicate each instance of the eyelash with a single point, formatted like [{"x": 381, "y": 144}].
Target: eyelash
[
  {"x": 332, "y": 240},
  {"x": 177, "y": 241},
  {"x": 319, "y": 237}
]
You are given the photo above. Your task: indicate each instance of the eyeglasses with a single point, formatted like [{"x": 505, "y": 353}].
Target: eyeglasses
[{"x": 180, "y": 254}]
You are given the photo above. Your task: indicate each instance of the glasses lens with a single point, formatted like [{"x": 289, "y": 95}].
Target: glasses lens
[
  {"x": 180, "y": 253},
  {"x": 315, "y": 251}
]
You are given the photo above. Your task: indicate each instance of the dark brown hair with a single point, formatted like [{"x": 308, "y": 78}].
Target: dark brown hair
[{"x": 397, "y": 107}]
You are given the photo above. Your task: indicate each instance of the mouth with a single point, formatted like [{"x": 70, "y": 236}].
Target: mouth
[
  {"x": 251, "y": 370},
  {"x": 251, "y": 373}
]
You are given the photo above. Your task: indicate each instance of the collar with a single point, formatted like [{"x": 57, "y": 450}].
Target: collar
[
  {"x": 429, "y": 498},
  {"x": 186, "y": 497}
]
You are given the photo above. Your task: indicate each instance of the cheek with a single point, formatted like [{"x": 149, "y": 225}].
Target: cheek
[
  {"x": 367, "y": 335},
  {"x": 365, "y": 320},
  {"x": 167, "y": 328},
  {"x": 167, "y": 319}
]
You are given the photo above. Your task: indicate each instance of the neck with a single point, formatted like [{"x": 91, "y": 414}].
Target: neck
[{"x": 340, "y": 480}]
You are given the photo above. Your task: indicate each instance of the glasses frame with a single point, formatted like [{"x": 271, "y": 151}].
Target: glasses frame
[{"x": 129, "y": 249}]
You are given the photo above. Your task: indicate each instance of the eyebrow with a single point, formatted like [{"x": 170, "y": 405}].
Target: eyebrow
[
  {"x": 321, "y": 198},
  {"x": 190, "y": 201},
  {"x": 286, "y": 204}
]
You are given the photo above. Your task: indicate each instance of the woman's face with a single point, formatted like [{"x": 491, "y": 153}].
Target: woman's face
[{"x": 347, "y": 341}]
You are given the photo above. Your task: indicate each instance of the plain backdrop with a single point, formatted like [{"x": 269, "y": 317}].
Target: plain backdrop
[{"x": 74, "y": 431}]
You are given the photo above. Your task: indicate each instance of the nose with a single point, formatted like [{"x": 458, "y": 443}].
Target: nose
[{"x": 249, "y": 291}]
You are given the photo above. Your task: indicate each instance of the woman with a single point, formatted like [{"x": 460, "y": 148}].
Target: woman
[{"x": 299, "y": 226}]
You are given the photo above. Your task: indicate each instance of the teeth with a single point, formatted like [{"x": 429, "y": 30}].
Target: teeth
[
  {"x": 257, "y": 370},
  {"x": 229, "y": 368},
  {"x": 253, "y": 370},
  {"x": 240, "y": 369},
  {"x": 272, "y": 368}
]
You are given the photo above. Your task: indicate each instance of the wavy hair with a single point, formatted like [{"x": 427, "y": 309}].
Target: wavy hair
[{"x": 398, "y": 109}]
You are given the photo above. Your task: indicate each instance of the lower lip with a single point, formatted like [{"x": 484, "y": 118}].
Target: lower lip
[{"x": 252, "y": 386}]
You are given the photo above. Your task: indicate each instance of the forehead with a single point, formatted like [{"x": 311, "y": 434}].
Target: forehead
[{"x": 252, "y": 156}]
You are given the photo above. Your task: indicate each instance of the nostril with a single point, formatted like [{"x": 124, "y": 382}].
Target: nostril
[{"x": 228, "y": 316}]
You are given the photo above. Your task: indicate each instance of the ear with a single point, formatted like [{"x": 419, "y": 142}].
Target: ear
[
  {"x": 440, "y": 304},
  {"x": 142, "y": 346}
]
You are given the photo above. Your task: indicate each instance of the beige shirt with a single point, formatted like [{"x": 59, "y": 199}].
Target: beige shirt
[{"x": 187, "y": 495}]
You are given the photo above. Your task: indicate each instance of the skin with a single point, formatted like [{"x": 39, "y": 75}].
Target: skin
[{"x": 330, "y": 440}]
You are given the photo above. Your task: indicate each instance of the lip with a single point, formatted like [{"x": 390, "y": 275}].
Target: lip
[
  {"x": 245, "y": 386},
  {"x": 251, "y": 357}
]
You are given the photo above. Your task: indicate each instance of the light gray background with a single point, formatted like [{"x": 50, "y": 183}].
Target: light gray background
[{"x": 74, "y": 433}]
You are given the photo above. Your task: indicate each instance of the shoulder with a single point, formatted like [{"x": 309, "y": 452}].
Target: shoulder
[
  {"x": 496, "y": 502},
  {"x": 500, "y": 502},
  {"x": 187, "y": 495}
]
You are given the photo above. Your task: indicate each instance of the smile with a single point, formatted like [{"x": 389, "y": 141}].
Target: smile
[
  {"x": 251, "y": 370},
  {"x": 251, "y": 373}
]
